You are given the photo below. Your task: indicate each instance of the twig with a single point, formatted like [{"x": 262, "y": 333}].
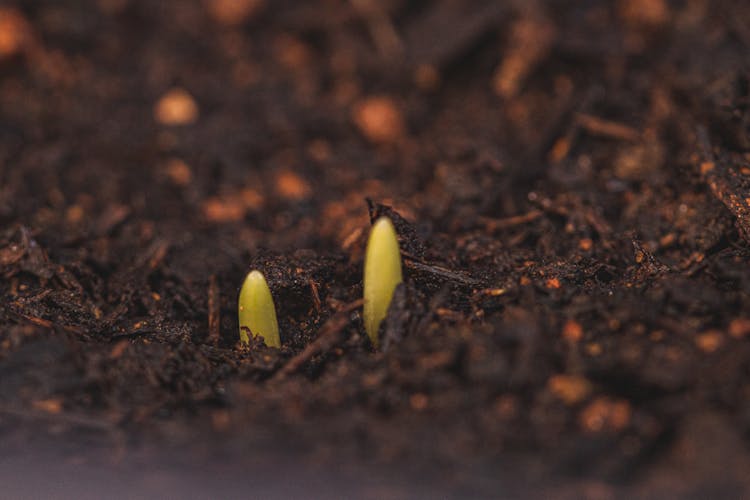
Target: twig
[
  {"x": 45, "y": 323},
  {"x": 606, "y": 128},
  {"x": 531, "y": 39},
  {"x": 411, "y": 262},
  {"x": 381, "y": 28},
  {"x": 328, "y": 337},
  {"x": 315, "y": 295},
  {"x": 559, "y": 136},
  {"x": 159, "y": 251},
  {"x": 111, "y": 219},
  {"x": 69, "y": 418},
  {"x": 495, "y": 224},
  {"x": 214, "y": 311}
]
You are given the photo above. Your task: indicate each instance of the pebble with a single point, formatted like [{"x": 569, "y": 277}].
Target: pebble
[
  {"x": 379, "y": 119},
  {"x": 605, "y": 414},
  {"x": 178, "y": 172},
  {"x": 15, "y": 32},
  {"x": 228, "y": 209},
  {"x": 176, "y": 107},
  {"x": 739, "y": 328},
  {"x": 709, "y": 341},
  {"x": 233, "y": 12},
  {"x": 572, "y": 331},
  {"x": 571, "y": 389},
  {"x": 292, "y": 187}
]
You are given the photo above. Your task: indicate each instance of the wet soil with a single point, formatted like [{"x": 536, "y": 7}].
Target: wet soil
[{"x": 570, "y": 181}]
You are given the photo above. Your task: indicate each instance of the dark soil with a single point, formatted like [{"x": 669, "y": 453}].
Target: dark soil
[{"x": 570, "y": 181}]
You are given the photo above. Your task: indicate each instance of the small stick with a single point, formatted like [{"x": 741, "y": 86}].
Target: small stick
[
  {"x": 68, "y": 418},
  {"x": 494, "y": 224},
  {"x": 381, "y": 28},
  {"x": 439, "y": 271},
  {"x": 315, "y": 295},
  {"x": 327, "y": 338},
  {"x": 214, "y": 311},
  {"x": 45, "y": 323},
  {"x": 606, "y": 128},
  {"x": 158, "y": 252},
  {"x": 111, "y": 219}
]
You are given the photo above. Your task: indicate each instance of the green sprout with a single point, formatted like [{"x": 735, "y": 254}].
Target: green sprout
[
  {"x": 382, "y": 275},
  {"x": 257, "y": 312}
]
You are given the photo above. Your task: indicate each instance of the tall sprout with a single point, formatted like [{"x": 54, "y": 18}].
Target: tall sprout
[{"x": 382, "y": 275}]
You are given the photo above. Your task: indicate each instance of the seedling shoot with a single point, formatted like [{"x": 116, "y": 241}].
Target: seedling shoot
[
  {"x": 257, "y": 313},
  {"x": 382, "y": 275}
]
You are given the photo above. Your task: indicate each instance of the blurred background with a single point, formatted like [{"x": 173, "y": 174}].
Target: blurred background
[{"x": 552, "y": 160}]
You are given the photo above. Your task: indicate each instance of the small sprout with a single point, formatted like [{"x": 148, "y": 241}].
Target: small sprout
[
  {"x": 257, "y": 312},
  {"x": 382, "y": 274}
]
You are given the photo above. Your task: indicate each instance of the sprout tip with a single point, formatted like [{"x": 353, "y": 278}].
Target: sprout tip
[
  {"x": 382, "y": 275},
  {"x": 257, "y": 314}
]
